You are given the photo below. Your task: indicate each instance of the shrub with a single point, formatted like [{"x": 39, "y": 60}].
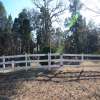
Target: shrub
[{"x": 46, "y": 50}]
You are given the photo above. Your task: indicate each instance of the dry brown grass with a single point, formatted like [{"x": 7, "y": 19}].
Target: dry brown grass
[
  {"x": 34, "y": 65},
  {"x": 53, "y": 85},
  {"x": 40, "y": 90},
  {"x": 84, "y": 66},
  {"x": 90, "y": 63}
]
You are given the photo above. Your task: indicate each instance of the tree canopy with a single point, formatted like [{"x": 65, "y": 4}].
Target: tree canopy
[{"x": 33, "y": 31}]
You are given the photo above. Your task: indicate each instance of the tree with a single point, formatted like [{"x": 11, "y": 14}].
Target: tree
[
  {"x": 47, "y": 13},
  {"x": 57, "y": 40},
  {"x": 3, "y": 17},
  {"x": 87, "y": 38},
  {"x": 4, "y": 38},
  {"x": 92, "y": 38},
  {"x": 9, "y": 24},
  {"x": 22, "y": 29},
  {"x": 75, "y": 25},
  {"x": 45, "y": 27}
]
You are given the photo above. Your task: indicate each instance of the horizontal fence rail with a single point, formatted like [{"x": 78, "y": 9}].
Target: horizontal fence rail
[{"x": 50, "y": 60}]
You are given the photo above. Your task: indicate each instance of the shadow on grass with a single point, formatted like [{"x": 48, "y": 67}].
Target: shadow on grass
[
  {"x": 11, "y": 82},
  {"x": 18, "y": 75},
  {"x": 32, "y": 74},
  {"x": 4, "y": 98}
]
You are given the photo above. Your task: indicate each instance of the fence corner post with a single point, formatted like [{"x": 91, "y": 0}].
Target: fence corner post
[
  {"x": 4, "y": 63},
  {"x": 61, "y": 59},
  {"x": 82, "y": 57},
  {"x": 26, "y": 62},
  {"x": 13, "y": 66},
  {"x": 49, "y": 61}
]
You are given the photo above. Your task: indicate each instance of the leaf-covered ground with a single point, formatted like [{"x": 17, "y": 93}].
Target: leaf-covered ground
[{"x": 46, "y": 85}]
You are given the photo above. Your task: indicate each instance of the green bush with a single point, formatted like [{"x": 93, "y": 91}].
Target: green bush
[
  {"x": 46, "y": 50},
  {"x": 97, "y": 52}
]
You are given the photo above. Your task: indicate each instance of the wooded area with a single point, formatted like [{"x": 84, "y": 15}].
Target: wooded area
[{"x": 32, "y": 31}]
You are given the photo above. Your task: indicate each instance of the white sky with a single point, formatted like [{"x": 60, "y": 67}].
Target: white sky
[
  {"x": 88, "y": 14},
  {"x": 14, "y": 7},
  {"x": 95, "y": 5}
]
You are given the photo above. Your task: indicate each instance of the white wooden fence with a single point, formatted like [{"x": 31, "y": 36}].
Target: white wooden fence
[{"x": 21, "y": 62}]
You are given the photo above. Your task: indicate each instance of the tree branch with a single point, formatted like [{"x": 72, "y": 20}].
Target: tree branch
[{"x": 58, "y": 13}]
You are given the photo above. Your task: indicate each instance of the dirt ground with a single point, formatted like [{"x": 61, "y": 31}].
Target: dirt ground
[{"x": 48, "y": 85}]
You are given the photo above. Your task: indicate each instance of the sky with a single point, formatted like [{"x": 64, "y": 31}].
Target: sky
[
  {"x": 14, "y": 7},
  {"x": 90, "y": 15}
]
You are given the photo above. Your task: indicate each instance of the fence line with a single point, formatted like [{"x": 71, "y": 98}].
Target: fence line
[{"x": 17, "y": 62}]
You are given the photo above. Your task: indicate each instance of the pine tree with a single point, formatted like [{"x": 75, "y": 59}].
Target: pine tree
[{"x": 22, "y": 29}]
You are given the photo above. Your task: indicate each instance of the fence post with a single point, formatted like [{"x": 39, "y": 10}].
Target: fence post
[
  {"x": 61, "y": 59},
  {"x": 49, "y": 61},
  {"x": 13, "y": 65},
  {"x": 38, "y": 60},
  {"x": 4, "y": 63},
  {"x": 82, "y": 57},
  {"x": 26, "y": 61}
]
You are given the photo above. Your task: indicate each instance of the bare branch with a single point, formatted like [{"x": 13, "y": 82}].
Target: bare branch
[
  {"x": 58, "y": 6},
  {"x": 58, "y": 13},
  {"x": 97, "y": 12},
  {"x": 58, "y": 10},
  {"x": 49, "y": 1},
  {"x": 38, "y": 5}
]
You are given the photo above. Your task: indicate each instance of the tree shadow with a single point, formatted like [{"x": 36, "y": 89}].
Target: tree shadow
[
  {"x": 32, "y": 74},
  {"x": 11, "y": 82},
  {"x": 18, "y": 75},
  {"x": 4, "y": 98}
]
